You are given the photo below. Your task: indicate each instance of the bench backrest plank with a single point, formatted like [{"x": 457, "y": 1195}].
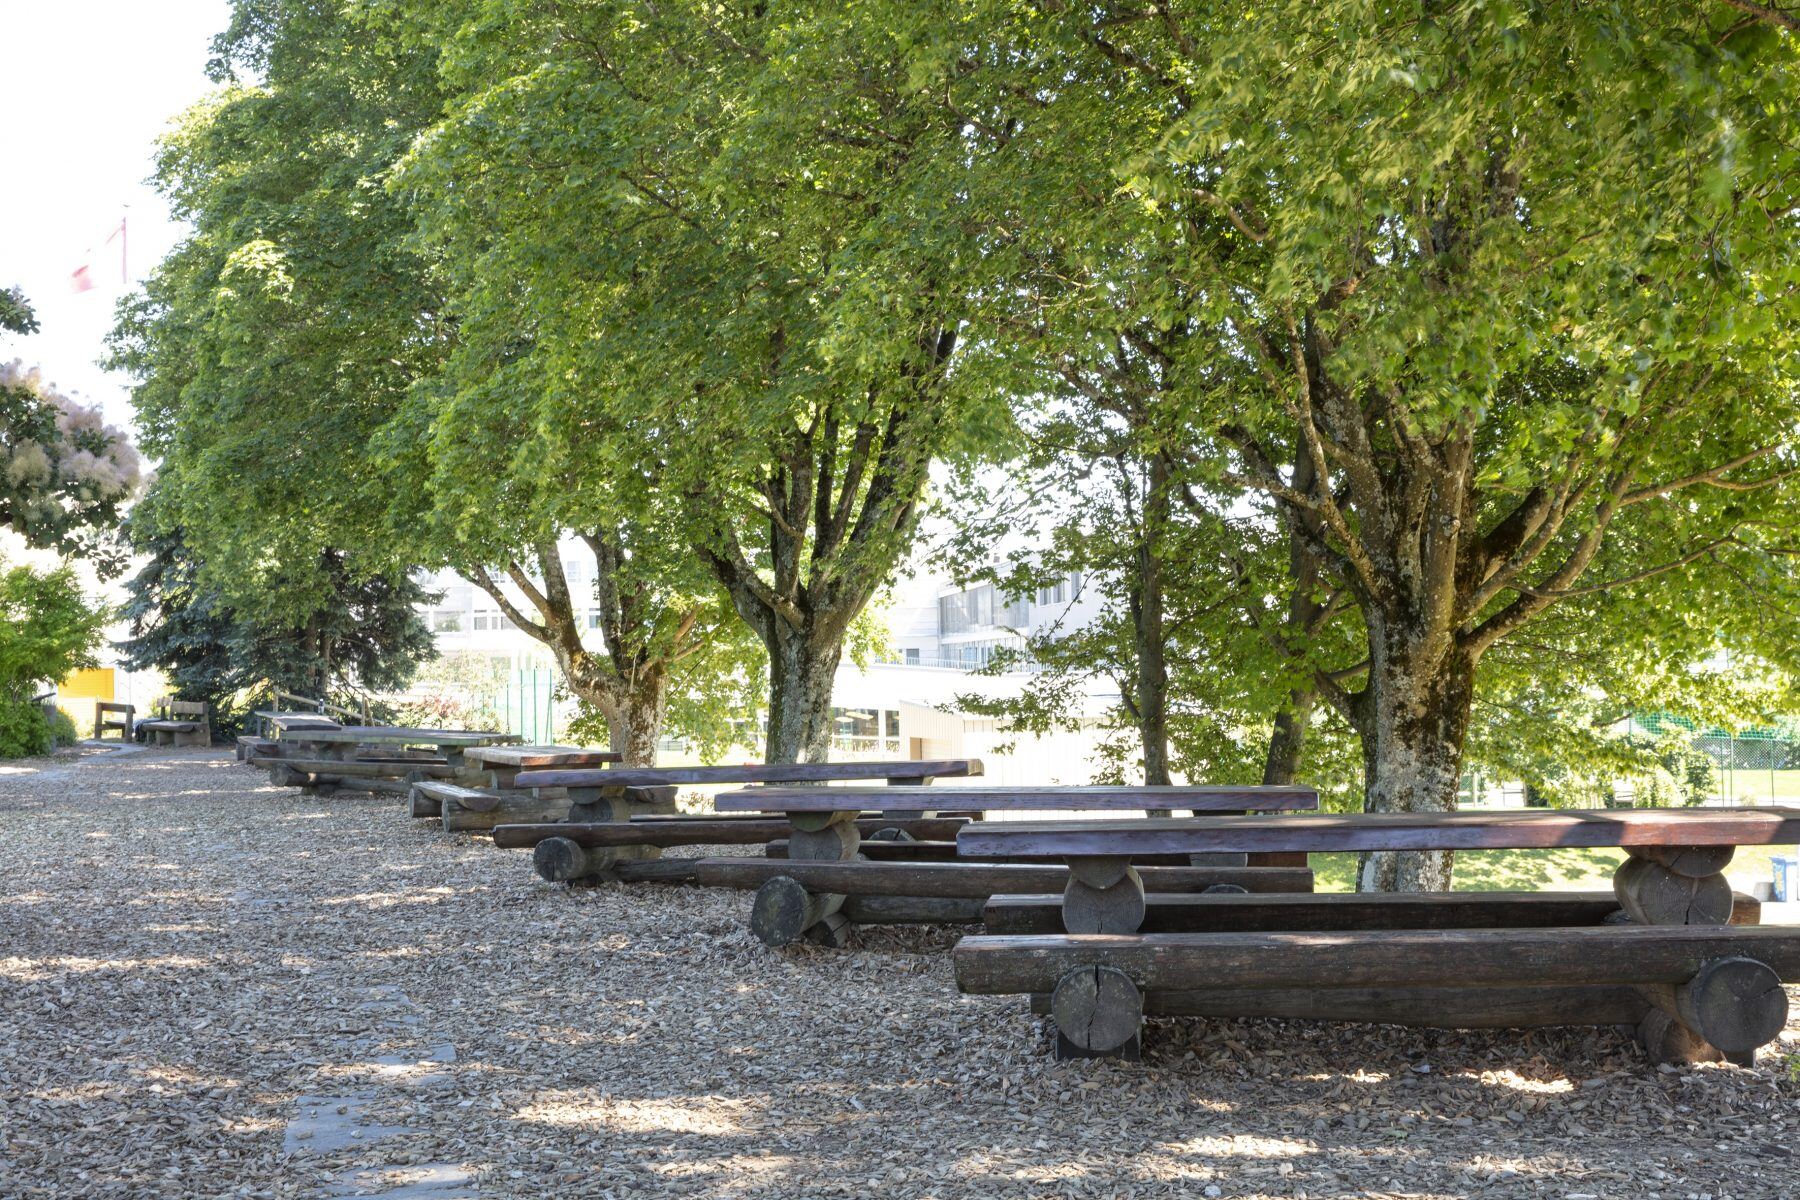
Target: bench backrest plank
[
  {"x": 755, "y": 773},
  {"x": 1508, "y": 829},
  {"x": 1002, "y": 799}
]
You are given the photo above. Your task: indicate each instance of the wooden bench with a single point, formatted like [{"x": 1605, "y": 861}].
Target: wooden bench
[
  {"x": 1675, "y": 946},
  {"x": 179, "y": 723},
  {"x": 823, "y": 830},
  {"x": 466, "y": 809},
  {"x": 108, "y": 715},
  {"x": 601, "y": 832}
]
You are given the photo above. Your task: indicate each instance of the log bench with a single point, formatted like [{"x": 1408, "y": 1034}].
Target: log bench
[
  {"x": 606, "y": 805},
  {"x": 179, "y": 723},
  {"x": 822, "y": 823},
  {"x": 1673, "y": 949},
  {"x": 465, "y": 809}
]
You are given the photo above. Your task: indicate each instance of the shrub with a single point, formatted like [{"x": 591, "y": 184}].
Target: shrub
[
  {"x": 23, "y": 730},
  {"x": 62, "y": 728},
  {"x": 47, "y": 629}
]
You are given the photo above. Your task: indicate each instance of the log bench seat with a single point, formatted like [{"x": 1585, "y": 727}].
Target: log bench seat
[
  {"x": 1683, "y": 947},
  {"x": 178, "y": 723},
  {"x": 823, "y": 829},
  {"x": 464, "y": 809},
  {"x": 255, "y": 750},
  {"x": 1230, "y": 912}
]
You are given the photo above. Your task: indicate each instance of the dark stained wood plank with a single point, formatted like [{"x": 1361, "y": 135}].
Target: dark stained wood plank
[
  {"x": 998, "y": 799},
  {"x": 756, "y": 773},
  {"x": 1509, "y": 829},
  {"x": 1279, "y": 913},
  {"x": 924, "y": 851},
  {"x": 1419, "y": 1007},
  {"x": 524, "y": 757},
  {"x": 954, "y": 879},
  {"x": 1602, "y": 954},
  {"x": 691, "y": 831}
]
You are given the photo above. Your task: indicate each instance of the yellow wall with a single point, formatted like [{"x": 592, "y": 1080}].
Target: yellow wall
[
  {"x": 87, "y": 685},
  {"x": 78, "y": 694}
]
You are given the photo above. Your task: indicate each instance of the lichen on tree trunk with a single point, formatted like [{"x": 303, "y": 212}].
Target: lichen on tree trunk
[
  {"x": 800, "y": 723},
  {"x": 1416, "y": 719}
]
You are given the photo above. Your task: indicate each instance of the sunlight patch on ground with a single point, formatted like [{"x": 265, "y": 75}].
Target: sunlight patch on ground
[
  {"x": 31, "y": 970},
  {"x": 1245, "y": 1145},
  {"x": 707, "y": 1117}
]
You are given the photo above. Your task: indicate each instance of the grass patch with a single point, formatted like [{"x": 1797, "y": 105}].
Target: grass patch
[{"x": 1565, "y": 869}]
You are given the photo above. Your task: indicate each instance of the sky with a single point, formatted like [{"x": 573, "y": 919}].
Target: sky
[{"x": 87, "y": 88}]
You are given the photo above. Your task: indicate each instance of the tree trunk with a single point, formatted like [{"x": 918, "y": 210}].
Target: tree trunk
[
  {"x": 641, "y": 718},
  {"x": 1287, "y": 741},
  {"x": 1146, "y": 593},
  {"x": 638, "y": 726},
  {"x": 1418, "y": 714},
  {"x": 1152, "y": 700},
  {"x": 802, "y": 673}
]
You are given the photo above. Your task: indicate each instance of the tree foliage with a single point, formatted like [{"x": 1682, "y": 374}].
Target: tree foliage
[
  {"x": 366, "y": 635},
  {"x": 65, "y": 474}
]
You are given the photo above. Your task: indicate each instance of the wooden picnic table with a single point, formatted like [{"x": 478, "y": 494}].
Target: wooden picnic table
[
  {"x": 600, "y": 837},
  {"x": 344, "y": 741},
  {"x": 1679, "y": 944},
  {"x": 541, "y": 758},
  {"x": 1023, "y": 799},
  {"x": 823, "y": 830},
  {"x": 295, "y": 720}
]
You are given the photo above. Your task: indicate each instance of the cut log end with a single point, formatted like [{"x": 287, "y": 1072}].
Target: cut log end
[
  {"x": 1097, "y": 1009},
  {"x": 1737, "y": 1004},
  {"x": 1652, "y": 894},
  {"x": 784, "y": 911},
  {"x": 1115, "y": 909},
  {"x": 561, "y": 860},
  {"x": 834, "y": 843}
]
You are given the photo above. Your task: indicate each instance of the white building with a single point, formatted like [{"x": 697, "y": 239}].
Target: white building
[{"x": 910, "y": 707}]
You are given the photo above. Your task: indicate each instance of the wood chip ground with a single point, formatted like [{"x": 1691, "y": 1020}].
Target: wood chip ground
[{"x": 197, "y": 969}]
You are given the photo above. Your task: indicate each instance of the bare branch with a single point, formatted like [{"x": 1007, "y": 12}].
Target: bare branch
[
  {"x": 1711, "y": 478},
  {"x": 1768, "y": 14}
]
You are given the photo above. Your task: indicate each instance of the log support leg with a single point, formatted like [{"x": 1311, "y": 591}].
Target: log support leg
[
  {"x": 1103, "y": 895},
  {"x": 1654, "y": 894},
  {"x": 562, "y": 860},
  {"x": 1099, "y": 1013},
  {"x": 1725, "y": 1012},
  {"x": 784, "y": 912},
  {"x": 1731, "y": 1006}
]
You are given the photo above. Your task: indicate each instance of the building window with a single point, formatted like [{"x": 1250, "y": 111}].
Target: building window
[
  {"x": 910, "y": 656},
  {"x": 446, "y": 621},
  {"x": 593, "y": 619},
  {"x": 962, "y": 611}
]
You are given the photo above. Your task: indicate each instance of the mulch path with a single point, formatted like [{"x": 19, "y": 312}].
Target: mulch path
[{"x": 210, "y": 987}]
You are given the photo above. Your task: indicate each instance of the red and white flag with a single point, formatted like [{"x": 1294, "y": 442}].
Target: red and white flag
[{"x": 96, "y": 264}]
